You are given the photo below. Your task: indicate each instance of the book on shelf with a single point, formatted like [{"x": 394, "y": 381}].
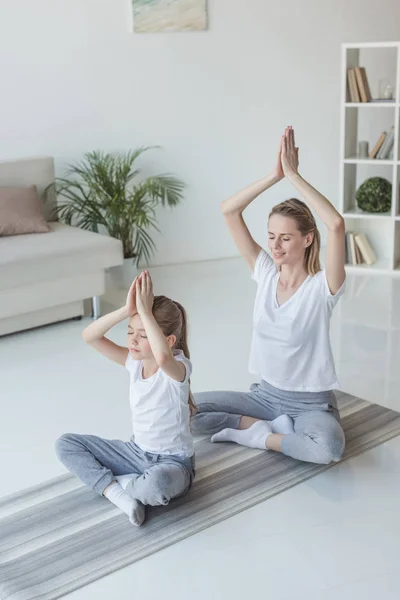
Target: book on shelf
[
  {"x": 367, "y": 253},
  {"x": 386, "y": 147},
  {"x": 352, "y": 248},
  {"x": 348, "y": 249},
  {"x": 378, "y": 145},
  {"x": 359, "y": 258},
  {"x": 366, "y": 84},
  {"x": 361, "y": 78},
  {"x": 358, "y": 249},
  {"x": 352, "y": 83},
  {"x": 359, "y": 90}
]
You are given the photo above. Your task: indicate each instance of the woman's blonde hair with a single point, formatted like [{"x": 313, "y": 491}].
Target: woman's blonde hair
[
  {"x": 172, "y": 320},
  {"x": 298, "y": 211}
]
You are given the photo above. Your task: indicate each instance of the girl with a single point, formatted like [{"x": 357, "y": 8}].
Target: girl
[
  {"x": 293, "y": 410},
  {"x": 158, "y": 463}
]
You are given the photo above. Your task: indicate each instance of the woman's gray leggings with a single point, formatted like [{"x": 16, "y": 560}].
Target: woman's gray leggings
[{"x": 318, "y": 436}]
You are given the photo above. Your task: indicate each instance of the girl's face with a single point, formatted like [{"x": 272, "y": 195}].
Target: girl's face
[
  {"x": 286, "y": 243},
  {"x": 138, "y": 343}
]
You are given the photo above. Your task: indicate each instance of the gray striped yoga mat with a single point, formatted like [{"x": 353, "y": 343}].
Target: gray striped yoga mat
[{"x": 60, "y": 536}]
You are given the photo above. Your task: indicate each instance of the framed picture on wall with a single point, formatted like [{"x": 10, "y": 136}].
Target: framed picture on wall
[{"x": 153, "y": 16}]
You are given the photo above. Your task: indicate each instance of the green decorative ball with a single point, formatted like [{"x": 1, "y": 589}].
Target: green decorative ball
[{"x": 374, "y": 195}]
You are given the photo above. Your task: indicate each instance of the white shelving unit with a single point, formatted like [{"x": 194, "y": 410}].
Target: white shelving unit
[{"x": 365, "y": 121}]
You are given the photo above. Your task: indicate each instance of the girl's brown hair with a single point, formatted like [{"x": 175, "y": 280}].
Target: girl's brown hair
[
  {"x": 172, "y": 320},
  {"x": 298, "y": 211}
]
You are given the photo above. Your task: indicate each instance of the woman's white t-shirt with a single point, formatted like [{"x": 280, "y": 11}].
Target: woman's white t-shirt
[
  {"x": 291, "y": 348},
  {"x": 160, "y": 409}
]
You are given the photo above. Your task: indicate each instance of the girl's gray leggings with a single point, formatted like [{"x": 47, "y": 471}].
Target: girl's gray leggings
[
  {"x": 318, "y": 436},
  {"x": 97, "y": 461}
]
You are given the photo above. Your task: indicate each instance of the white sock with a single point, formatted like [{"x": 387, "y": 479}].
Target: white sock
[
  {"x": 253, "y": 437},
  {"x": 133, "y": 508},
  {"x": 283, "y": 424}
]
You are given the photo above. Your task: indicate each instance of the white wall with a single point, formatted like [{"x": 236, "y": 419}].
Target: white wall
[{"x": 74, "y": 78}]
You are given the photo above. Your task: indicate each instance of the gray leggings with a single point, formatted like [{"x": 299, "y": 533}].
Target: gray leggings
[
  {"x": 318, "y": 437},
  {"x": 97, "y": 462}
]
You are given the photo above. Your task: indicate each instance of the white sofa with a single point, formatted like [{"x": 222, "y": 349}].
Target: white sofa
[{"x": 45, "y": 277}]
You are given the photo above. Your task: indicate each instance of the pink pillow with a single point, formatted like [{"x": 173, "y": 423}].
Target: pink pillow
[{"x": 20, "y": 211}]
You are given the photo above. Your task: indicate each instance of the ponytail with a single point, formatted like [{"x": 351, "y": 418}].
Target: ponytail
[
  {"x": 182, "y": 344},
  {"x": 172, "y": 320}
]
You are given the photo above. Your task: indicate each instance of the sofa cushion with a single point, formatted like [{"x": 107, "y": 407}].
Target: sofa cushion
[
  {"x": 20, "y": 211},
  {"x": 62, "y": 252}
]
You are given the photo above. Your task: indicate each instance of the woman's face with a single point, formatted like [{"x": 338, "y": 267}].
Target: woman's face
[{"x": 287, "y": 245}]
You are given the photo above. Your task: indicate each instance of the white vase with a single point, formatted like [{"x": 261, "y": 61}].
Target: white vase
[{"x": 121, "y": 277}]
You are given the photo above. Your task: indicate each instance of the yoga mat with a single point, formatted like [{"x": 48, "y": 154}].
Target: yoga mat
[{"x": 60, "y": 536}]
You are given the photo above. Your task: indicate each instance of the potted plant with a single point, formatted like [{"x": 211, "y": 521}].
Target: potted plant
[{"x": 105, "y": 193}]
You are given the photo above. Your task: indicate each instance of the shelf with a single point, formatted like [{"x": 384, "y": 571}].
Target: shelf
[
  {"x": 382, "y": 230},
  {"x": 356, "y": 214},
  {"x": 380, "y": 267},
  {"x": 371, "y": 104},
  {"x": 364, "y": 45},
  {"x": 368, "y": 161}
]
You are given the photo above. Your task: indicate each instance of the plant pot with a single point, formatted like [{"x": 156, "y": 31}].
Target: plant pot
[{"x": 121, "y": 277}]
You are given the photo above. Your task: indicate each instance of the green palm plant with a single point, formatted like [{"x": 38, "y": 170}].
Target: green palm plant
[{"x": 104, "y": 191}]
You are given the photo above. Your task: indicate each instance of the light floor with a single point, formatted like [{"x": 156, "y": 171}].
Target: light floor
[{"x": 336, "y": 536}]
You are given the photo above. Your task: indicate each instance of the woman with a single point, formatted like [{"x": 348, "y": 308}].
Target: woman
[{"x": 293, "y": 410}]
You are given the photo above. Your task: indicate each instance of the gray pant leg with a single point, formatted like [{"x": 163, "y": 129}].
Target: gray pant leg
[
  {"x": 160, "y": 484},
  {"x": 218, "y": 410},
  {"x": 97, "y": 461},
  {"x": 318, "y": 438}
]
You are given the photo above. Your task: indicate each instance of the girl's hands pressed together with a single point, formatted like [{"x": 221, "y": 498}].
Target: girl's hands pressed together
[
  {"x": 144, "y": 294},
  {"x": 289, "y": 154},
  {"x": 131, "y": 299}
]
